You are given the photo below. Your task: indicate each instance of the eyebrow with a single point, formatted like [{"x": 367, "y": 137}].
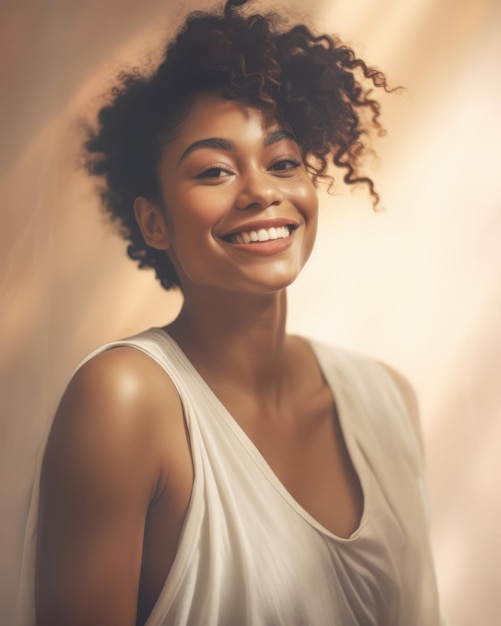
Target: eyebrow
[
  {"x": 278, "y": 135},
  {"x": 225, "y": 144}
]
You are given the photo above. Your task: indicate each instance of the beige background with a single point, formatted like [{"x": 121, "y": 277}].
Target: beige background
[{"x": 418, "y": 285}]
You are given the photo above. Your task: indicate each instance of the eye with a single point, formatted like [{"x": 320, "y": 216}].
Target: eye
[
  {"x": 214, "y": 171},
  {"x": 285, "y": 165}
]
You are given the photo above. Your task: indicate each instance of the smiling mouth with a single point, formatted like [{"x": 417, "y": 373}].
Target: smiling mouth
[{"x": 261, "y": 234}]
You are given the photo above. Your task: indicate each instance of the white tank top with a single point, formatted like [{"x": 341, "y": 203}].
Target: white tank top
[{"x": 250, "y": 555}]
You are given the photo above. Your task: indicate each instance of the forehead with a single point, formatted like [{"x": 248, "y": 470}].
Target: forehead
[{"x": 210, "y": 115}]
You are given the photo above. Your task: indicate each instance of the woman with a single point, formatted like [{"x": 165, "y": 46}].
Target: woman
[{"x": 218, "y": 471}]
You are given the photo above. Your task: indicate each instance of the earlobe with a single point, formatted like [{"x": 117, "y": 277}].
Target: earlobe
[{"x": 151, "y": 221}]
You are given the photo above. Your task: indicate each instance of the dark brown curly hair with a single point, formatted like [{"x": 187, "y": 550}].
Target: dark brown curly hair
[{"x": 314, "y": 85}]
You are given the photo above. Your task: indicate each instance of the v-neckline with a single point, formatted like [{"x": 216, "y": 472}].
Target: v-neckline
[{"x": 356, "y": 458}]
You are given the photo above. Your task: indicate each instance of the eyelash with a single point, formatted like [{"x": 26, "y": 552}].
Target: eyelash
[
  {"x": 209, "y": 172},
  {"x": 292, "y": 164}
]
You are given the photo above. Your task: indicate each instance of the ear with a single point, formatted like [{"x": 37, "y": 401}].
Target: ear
[{"x": 151, "y": 221}]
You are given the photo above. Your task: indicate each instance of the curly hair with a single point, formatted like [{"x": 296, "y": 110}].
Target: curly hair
[{"x": 314, "y": 85}]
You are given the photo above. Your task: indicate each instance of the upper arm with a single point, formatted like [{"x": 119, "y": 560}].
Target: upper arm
[
  {"x": 410, "y": 400},
  {"x": 101, "y": 468}
]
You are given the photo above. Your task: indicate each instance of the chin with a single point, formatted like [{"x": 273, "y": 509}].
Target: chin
[{"x": 269, "y": 284}]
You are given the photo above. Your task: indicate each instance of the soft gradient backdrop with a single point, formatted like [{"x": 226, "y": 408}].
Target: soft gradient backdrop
[{"x": 418, "y": 285}]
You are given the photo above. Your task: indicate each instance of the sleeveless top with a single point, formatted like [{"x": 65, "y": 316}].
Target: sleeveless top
[{"x": 250, "y": 555}]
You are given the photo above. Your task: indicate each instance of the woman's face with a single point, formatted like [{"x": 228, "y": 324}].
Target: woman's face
[{"x": 240, "y": 209}]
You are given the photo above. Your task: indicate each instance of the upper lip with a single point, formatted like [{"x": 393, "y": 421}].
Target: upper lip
[{"x": 273, "y": 222}]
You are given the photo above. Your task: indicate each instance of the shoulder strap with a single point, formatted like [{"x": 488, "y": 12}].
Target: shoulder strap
[
  {"x": 379, "y": 416},
  {"x": 379, "y": 421}
]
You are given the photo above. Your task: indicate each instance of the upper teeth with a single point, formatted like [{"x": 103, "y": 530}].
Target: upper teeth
[{"x": 263, "y": 234}]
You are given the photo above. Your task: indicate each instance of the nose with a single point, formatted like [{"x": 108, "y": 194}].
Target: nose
[{"x": 258, "y": 190}]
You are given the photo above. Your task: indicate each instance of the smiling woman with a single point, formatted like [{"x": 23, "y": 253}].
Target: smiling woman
[
  {"x": 226, "y": 176},
  {"x": 218, "y": 471}
]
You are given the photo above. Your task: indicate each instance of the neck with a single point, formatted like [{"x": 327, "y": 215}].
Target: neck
[{"x": 236, "y": 339}]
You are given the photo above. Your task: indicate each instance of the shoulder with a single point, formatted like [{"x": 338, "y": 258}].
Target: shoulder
[
  {"x": 123, "y": 384},
  {"x": 109, "y": 456},
  {"x": 123, "y": 376},
  {"x": 118, "y": 404}
]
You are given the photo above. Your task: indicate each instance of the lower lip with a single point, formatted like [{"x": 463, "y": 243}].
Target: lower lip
[{"x": 265, "y": 248}]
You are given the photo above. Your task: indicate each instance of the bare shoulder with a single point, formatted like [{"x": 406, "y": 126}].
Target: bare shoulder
[
  {"x": 124, "y": 375},
  {"x": 111, "y": 432},
  {"x": 116, "y": 406},
  {"x": 410, "y": 398},
  {"x": 108, "y": 457}
]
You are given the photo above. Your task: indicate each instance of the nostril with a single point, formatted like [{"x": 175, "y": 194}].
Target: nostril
[
  {"x": 254, "y": 205},
  {"x": 257, "y": 205},
  {"x": 258, "y": 192}
]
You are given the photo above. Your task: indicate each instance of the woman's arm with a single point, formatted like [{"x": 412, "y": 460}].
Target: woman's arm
[{"x": 103, "y": 465}]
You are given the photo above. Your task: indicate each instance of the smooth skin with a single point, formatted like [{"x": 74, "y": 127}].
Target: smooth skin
[{"x": 117, "y": 473}]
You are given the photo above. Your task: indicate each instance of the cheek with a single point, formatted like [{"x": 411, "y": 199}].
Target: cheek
[
  {"x": 192, "y": 214},
  {"x": 308, "y": 204},
  {"x": 306, "y": 199},
  {"x": 312, "y": 199}
]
